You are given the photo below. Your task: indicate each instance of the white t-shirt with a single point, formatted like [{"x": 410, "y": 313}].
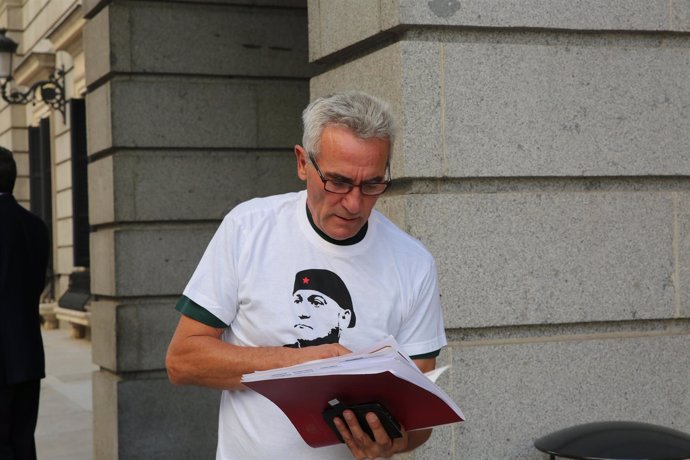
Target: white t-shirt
[{"x": 269, "y": 276}]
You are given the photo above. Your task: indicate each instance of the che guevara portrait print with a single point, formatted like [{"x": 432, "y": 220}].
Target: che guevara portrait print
[{"x": 321, "y": 307}]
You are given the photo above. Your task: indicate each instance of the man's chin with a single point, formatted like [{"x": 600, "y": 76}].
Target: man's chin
[{"x": 346, "y": 230}]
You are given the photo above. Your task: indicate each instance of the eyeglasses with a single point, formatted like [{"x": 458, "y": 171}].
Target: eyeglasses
[{"x": 340, "y": 187}]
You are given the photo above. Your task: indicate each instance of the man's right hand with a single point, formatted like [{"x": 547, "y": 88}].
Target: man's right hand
[
  {"x": 330, "y": 350},
  {"x": 198, "y": 356}
]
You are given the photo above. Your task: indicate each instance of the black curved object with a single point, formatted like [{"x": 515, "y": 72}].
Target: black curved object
[{"x": 616, "y": 441}]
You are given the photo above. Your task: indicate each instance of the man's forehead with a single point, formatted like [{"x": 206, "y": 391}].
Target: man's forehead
[{"x": 340, "y": 165}]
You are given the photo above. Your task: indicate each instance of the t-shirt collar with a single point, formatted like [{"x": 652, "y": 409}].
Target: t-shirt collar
[{"x": 359, "y": 236}]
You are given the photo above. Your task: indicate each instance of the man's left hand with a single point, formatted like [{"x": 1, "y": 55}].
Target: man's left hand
[{"x": 360, "y": 443}]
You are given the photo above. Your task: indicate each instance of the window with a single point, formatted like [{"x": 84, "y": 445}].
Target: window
[
  {"x": 80, "y": 192},
  {"x": 40, "y": 183}
]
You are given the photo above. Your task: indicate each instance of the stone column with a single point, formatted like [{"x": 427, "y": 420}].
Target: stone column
[
  {"x": 191, "y": 108},
  {"x": 544, "y": 159}
]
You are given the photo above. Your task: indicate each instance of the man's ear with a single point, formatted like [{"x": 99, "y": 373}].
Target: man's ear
[{"x": 302, "y": 160}]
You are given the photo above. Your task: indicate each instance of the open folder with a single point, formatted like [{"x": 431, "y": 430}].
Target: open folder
[{"x": 381, "y": 373}]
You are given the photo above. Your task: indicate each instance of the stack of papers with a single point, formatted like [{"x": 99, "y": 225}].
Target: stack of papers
[{"x": 380, "y": 373}]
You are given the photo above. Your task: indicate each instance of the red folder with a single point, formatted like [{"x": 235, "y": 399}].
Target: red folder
[
  {"x": 304, "y": 398},
  {"x": 380, "y": 374}
]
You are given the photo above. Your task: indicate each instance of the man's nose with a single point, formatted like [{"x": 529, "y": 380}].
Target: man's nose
[{"x": 352, "y": 200}]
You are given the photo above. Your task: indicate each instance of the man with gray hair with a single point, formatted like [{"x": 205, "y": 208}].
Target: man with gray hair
[{"x": 338, "y": 256}]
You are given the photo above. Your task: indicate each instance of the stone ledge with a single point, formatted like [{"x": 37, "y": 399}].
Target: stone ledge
[
  {"x": 48, "y": 317},
  {"x": 79, "y": 321}
]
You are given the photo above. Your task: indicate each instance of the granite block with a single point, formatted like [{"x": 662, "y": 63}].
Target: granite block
[
  {"x": 515, "y": 393},
  {"x": 503, "y": 121},
  {"x": 156, "y": 185},
  {"x": 158, "y": 260},
  {"x": 219, "y": 39},
  {"x": 680, "y": 15},
  {"x": 63, "y": 146},
  {"x": 63, "y": 235},
  {"x": 92, "y": 7},
  {"x": 648, "y": 15},
  {"x": 546, "y": 258},
  {"x": 131, "y": 336},
  {"x": 102, "y": 251},
  {"x": 104, "y": 328},
  {"x": 125, "y": 406},
  {"x": 277, "y": 3},
  {"x": 341, "y": 24},
  {"x": 105, "y": 415},
  {"x": 147, "y": 260},
  {"x": 335, "y": 26},
  {"x": 682, "y": 203},
  {"x": 63, "y": 176},
  {"x": 101, "y": 190},
  {"x": 106, "y": 26},
  {"x": 539, "y": 105},
  {"x": 378, "y": 74},
  {"x": 208, "y": 113},
  {"x": 152, "y": 399},
  {"x": 63, "y": 204},
  {"x": 64, "y": 260},
  {"x": 422, "y": 151},
  {"x": 99, "y": 133},
  {"x": 502, "y": 105}
]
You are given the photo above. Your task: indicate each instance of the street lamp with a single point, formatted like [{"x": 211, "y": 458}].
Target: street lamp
[{"x": 51, "y": 91}]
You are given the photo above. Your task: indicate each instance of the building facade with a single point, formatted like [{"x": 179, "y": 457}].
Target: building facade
[
  {"x": 49, "y": 142},
  {"x": 543, "y": 159}
]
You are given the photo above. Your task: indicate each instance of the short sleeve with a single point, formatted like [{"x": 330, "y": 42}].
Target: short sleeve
[
  {"x": 188, "y": 307},
  {"x": 422, "y": 332},
  {"x": 214, "y": 283}
]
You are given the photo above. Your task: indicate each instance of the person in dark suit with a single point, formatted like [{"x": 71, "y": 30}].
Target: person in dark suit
[{"x": 24, "y": 251}]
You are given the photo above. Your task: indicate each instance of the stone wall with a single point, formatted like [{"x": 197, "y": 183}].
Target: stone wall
[
  {"x": 192, "y": 108},
  {"x": 543, "y": 158}
]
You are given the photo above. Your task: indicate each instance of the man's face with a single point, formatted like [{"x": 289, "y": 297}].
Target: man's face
[
  {"x": 347, "y": 158},
  {"x": 318, "y": 314}
]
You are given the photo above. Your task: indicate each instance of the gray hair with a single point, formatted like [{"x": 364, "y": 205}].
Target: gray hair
[{"x": 367, "y": 116}]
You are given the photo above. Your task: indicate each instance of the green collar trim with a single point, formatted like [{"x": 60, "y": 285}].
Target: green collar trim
[{"x": 348, "y": 242}]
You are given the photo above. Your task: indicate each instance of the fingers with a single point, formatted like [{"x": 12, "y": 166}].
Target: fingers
[
  {"x": 361, "y": 444},
  {"x": 331, "y": 350},
  {"x": 380, "y": 435},
  {"x": 348, "y": 438}
]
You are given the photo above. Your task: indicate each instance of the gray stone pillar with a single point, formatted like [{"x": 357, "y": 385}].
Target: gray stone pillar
[
  {"x": 544, "y": 160},
  {"x": 192, "y": 107}
]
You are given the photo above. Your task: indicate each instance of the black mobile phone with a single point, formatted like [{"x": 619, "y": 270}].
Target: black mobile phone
[{"x": 389, "y": 423}]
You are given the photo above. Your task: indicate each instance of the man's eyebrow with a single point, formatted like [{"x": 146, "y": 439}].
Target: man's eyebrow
[{"x": 317, "y": 296}]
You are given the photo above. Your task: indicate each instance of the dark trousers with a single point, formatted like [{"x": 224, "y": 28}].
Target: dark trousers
[{"x": 18, "y": 416}]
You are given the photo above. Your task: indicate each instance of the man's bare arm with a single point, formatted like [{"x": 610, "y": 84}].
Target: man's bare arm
[{"x": 197, "y": 356}]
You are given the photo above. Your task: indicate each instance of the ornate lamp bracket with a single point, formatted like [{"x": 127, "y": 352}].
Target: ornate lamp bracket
[{"x": 51, "y": 92}]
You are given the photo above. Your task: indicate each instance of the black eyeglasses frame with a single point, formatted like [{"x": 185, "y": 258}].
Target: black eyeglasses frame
[{"x": 349, "y": 186}]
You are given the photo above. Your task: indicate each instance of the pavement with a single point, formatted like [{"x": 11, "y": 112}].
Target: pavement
[{"x": 65, "y": 416}]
